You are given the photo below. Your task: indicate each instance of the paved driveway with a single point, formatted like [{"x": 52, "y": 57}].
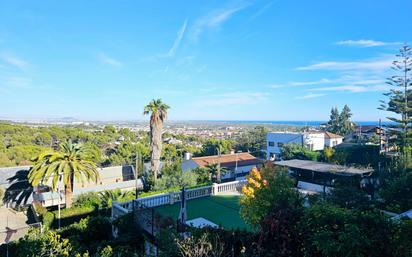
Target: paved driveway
[{"x": 12, "y": 225}]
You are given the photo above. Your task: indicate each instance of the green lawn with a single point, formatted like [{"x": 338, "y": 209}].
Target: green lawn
[{"x": 221, "y": 210}]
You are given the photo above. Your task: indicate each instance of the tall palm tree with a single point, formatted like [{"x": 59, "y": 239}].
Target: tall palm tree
[
  {"x": 73, "y": 161},
  {"x": 158, "y": 113}
]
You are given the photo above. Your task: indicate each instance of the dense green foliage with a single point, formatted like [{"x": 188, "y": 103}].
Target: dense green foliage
[
  {"x": 295, "y": 151},
  {"x": 253, "y": 141},
  {"x": 340, "y": 123},
  {"x": 90, "y": 237},
  {"x": 19, "y": 144},
  {"x": 214, "y": 146},
  {"x": 174, "y": 177}
]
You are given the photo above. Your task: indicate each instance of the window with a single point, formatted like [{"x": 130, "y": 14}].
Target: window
[
  {"x": 280, "y": 144},
  {"x": 272, "y": 144},
  {"x": 334, "y": 143}
]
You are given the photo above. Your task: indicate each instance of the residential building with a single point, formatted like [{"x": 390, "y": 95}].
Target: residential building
[
  {"x": 238, "y": 164},
  {"x": 275, "y": 140},
  {"x": 110, "y": 178},
  {"x": 313, "y": 140},
  {"x": 332, "y": 140}
]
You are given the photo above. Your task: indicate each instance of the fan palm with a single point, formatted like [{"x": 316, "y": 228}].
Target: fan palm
[
  {"x": 73, "y": 161},
  {"x": 216, "y": 171},
  {"x": 158, "y": 113},
  {"x": 110, "y": 196}
]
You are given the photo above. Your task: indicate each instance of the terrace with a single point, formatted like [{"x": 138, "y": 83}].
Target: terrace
[{"x": 217, "y": 204}]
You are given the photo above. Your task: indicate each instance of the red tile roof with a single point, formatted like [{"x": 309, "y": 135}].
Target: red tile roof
[
  {"x": 228, "y": 160},
  {"x": 330, "y": 135}
]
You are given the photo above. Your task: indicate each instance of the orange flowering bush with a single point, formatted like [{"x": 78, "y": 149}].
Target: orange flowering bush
[{"x": 266, "y": 189}]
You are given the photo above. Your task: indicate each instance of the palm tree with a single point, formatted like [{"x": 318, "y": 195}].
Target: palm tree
[
  {"x": 110, "y": 196},
  {"x": 158, "y": 113},
  {"x": 216, "y": 171},
  {"x": 72, "y": 162}
]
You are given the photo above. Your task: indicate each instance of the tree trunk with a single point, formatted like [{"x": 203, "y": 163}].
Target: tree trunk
[
  {"x": 68, "y": 195},
  {"x": 155, "y": 145}
]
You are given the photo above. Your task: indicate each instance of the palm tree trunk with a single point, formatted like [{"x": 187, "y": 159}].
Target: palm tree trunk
[
  {"x": 69, "y": 194},
  {"x": 156, "y": 146}
]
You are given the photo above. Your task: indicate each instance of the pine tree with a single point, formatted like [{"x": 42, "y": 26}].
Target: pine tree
[
  {"x": 400, "y": 98},
  {"x": 340, "y": 123}
]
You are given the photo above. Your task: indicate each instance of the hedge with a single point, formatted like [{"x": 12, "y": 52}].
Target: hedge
[{"x": 68, "y": 216}]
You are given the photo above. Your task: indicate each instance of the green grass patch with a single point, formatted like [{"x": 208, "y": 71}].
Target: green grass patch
[{"x": 221, "y": 210}]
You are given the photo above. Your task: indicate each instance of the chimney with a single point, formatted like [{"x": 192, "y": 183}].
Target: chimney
[
  {"x": 232, "y": 151},
  {"x": 188, "y": 156}
]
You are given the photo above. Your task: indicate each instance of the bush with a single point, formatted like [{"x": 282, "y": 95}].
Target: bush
[
  {"x": 91, "y": 199},
  {"x": 68, "y": 216},
  {"x": 295, "y": 151}
]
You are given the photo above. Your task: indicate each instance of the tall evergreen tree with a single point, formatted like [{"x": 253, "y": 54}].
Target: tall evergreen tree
[
  {"x": 400, "y": 97},
  {"x": 346, "y": 124},
  {"x": 340, "y": 123}
]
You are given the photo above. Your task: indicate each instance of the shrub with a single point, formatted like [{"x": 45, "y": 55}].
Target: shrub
[
  {"x": 91, "y": 199},
  {"x": 68, "y": 216}
]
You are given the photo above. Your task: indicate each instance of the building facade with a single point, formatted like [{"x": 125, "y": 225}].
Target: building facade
[{"x": 238, "y": 164}]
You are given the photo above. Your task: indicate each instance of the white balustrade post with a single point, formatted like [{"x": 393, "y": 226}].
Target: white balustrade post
[
  {"x": 215, "y": 189},
  {"x": 171, "y": 197}
]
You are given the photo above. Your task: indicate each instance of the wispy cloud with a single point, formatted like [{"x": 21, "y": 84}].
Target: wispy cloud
[
  {"x": 178, "y": 40},
  {"x": 14, "y": 61},
  {"x": 230, "y": 99},
  {"x": 214, "y": 20},
  {"x": 309, "y": 96},
  {"x": 365, "y": 43},
  {"x": 371, "y": 65},
  {"x": 354, "y": 88},
  {"x": 262, "y": 10},
  {"x": 105, "y": 59}
]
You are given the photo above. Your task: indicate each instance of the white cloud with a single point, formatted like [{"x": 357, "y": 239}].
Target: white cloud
[
  {"x": 178, "y": 40},
  {"x": 213, "y": 20},
  {"x": 105, "y": 59},
  {"x": 365, "y": 43},
  {"x": 354, "y": 88},
  {"x": 309, "y": 96},
  {"x": 307, "y": 83},
  {"x": 15, "y": 61},
  {"x": 370, "y": 65}
]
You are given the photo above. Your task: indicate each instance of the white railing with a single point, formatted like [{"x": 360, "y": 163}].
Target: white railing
[
  {"x": 155, "y": 200},
  {"x": 229, "y": 186},
  {"x": 121, "y": 208}
]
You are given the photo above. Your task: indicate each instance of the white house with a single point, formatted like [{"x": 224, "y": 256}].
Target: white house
[
  {"x": 313, "y": 140},
  {"x": 275, "y": 140},
  {"x": 238, "y": 164},
  {"x": 332, "y": 140}
]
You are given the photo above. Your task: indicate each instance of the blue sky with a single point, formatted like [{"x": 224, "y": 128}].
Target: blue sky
[{"x": 220, "y": 60}]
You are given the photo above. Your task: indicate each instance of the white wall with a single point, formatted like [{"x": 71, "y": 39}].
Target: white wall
[
  {"x": 274, "y": 140},
  {"x": 333, "y": 142},
  {"x": 314, "y": 141}
]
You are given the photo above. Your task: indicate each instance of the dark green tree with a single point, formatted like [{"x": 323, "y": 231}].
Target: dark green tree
[{"x": 400, "y": 98}]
